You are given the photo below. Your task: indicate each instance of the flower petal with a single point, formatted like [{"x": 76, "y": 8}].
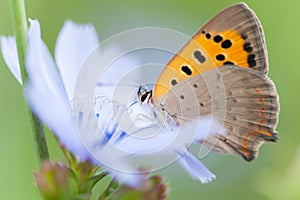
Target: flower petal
[
  {"x": 195, "y": 168},
  {"x": 208, "y": 127},
  {"x": 46, "y": 94},
  {"x": 109, "y": 158},
  {"x": 132, "y": 179},
  {"x": 121, "y": 77},
  {"x": 10, "y": 56},
  {"x": 74, "y": 43}
]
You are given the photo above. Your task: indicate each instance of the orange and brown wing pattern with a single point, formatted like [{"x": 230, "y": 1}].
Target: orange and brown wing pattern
[
  {"x": 243, "y": 100},
  {"x": 228, "y": 53},
  {"x": 234, "y": 36}
]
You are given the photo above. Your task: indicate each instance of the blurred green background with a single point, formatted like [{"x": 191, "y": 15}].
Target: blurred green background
[{"x": 273, "y": 175}]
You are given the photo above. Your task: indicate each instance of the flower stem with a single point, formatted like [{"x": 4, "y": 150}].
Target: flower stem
[{"x": 20, "y": 29}]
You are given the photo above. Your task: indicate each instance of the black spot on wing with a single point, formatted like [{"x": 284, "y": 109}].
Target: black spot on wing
[
  {"x": 218, "y": 38},
  {"x": 186, "y": 69},
  {"x": 173, "y": 82},
  {"x": 247, "y": 47},
  {"x": 228, "y": 63},
  {"x": 199, "y": 56},
  {"x": 226, "y": 44},
  {"x": 220, "y": 57},
  {"x": 244, "y": 36},
  {"x": 208, "y": 36},
  {"x": 251, "y": 60}
]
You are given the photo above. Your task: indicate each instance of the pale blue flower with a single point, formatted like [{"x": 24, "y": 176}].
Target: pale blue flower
[{"x": 50, "y": 95}]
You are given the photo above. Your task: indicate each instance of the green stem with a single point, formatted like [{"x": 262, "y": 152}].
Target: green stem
[
  {"x": 20, "y": 29},
  {"x": 112, "y": 186}
]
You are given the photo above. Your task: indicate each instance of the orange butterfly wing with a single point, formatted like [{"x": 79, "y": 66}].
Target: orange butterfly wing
[{"x": 234, "y": 36}]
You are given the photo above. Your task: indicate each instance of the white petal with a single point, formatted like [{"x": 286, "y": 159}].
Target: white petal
[
  {"x": 46, "y": 94},
  {"x": 195, "y": 168},
  {"x": 74, "y": 43},
  {"x": 10, "y": 56}
]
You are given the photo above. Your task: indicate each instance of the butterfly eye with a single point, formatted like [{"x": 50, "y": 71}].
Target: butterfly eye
[{"x": 146, "y": 96}]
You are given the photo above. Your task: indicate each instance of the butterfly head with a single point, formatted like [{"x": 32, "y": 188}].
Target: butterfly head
[{"x": 144, "y": 95}]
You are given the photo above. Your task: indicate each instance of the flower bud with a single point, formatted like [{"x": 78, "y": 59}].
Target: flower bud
[
  {"x": 53, "y": 181},
  {"x": 153, "y": 188}
]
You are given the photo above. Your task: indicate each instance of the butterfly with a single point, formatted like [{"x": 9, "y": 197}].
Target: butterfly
[{"x": 222, "y": 71}]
